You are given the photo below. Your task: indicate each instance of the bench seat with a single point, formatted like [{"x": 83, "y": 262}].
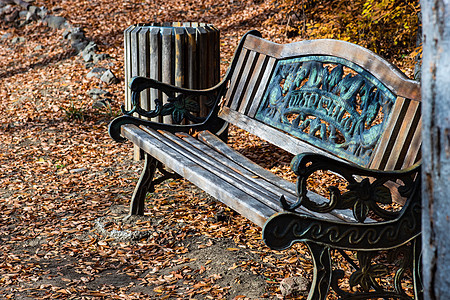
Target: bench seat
[{"x": 213, "y": 166}]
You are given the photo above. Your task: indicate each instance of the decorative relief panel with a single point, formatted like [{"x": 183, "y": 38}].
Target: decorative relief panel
[{"x": 329, "y": 102}]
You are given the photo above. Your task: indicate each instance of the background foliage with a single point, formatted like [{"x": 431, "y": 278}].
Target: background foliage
[{"x": 387, "y": 27}]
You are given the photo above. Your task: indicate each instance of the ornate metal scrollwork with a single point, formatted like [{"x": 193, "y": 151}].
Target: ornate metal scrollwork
[
  {"x": 180, "y": 107},
  {"x": 362, "y": 197},
  {"x": 368, "y": 272},
  {"x": 396, "y": 233},
  {"x": 343, "y": 113}
]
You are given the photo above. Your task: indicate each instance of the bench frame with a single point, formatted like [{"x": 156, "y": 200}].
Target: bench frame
[{"x": 355, "y": 219}]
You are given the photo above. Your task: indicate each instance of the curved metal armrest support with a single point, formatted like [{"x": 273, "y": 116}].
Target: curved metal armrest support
[
  {"x": 396, "y": 228},
  {"x": 361, "y": 196},
  {"x": 180, "y": 100},
  {"x": 282, "y": 230},
  {"x": 212, "y": 124}
]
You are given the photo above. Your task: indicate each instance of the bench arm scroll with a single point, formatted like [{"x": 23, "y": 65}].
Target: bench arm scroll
[
  {"x": 367, "y": 190},
  {"x": 366, "y": 195}
]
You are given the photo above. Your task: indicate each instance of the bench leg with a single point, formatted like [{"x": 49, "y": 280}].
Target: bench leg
[
  {"x": 143, "y": 186},
  {"x": 147, "y": 183},
  {"x": 322, "y": 271},
  {"x": 417, "y": 271}
]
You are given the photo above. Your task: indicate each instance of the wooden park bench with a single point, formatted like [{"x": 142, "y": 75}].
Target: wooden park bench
[{"x": 337, "y": 107}]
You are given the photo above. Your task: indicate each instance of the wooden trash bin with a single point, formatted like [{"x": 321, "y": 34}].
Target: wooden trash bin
[{"x": 182, "y": 54}]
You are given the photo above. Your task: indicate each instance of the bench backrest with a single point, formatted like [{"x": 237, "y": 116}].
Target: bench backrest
[{"x": 326, "y": 96}]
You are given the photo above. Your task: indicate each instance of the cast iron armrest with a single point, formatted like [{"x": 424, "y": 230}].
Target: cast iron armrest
[
  {"x": 180, "y": 106},
  {"x": 362, "y": 196},
  {"x": 365, "y": 195}
]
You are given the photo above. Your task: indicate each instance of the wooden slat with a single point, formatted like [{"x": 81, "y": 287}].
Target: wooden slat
[
  {"x": 134, "y": 63},
  {"x": 414, "y": 149},
  {"x": 191, "y": 80},
  {"x": 218, "y": 145},
  {"x": 202, "y": 42},
  {"x": 253, "y": 84},
  {"x": 243, "y": 82},
  {"x": 272, "y": 183},
  {"x": 167, "y": 64},
  {"x": 134, "y": 48},
  {"x": 229, "y": 194},
  {"x": 127, "y": 65},
  {"x": 236, "y": 77},
  {"x": 144, "y": 64},
  {"x": 215, "y": 158},
  {"x": 222, "y": 170},
  {"x": 180, "y": 46},
  {"x": 216, "y": 54},
  {"x": 155, "y": 63},
  {"x": 404, "y": 136},
  {"x": 259, "y": 189},
  {"x": 254, "y": 105},
  {"x": 385, "y": 144},
  {"x": 281, "y": 185},
  {"x": 211, "y": 60}
]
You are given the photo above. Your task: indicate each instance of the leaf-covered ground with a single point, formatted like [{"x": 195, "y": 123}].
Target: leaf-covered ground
[{"x": 65, "y": 185}]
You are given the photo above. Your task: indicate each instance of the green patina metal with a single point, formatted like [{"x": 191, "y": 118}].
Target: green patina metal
[
  {"x": 396, "y": 232},
  {"x": 313, "y": 98}
]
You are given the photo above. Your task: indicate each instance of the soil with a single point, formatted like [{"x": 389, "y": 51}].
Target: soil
[{"x": 205, "y": 258}]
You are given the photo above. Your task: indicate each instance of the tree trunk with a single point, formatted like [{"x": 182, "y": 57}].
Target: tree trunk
[{"x": 436, "y": 148}]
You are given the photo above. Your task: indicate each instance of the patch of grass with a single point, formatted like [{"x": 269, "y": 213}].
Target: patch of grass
[{"x": 74, "y": 113}]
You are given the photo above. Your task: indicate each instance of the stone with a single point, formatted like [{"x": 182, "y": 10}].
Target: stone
[
  {"x": 108, "y": 77},
  {"x": 79, "y": 45},
  {"x": 55, "y": 22},
  {"x": 33, "y": 9},
  {"x": 294, "y": 286},
  {"x": 17, "y": 40},
  {"x": 76, "y": 34},
  {"x": 96, "y": 93},
  {"x": 6, "y": 36},
  {"x": 101, "y": 103},
  {"x": 66, "y": 34},
  {"x": 42, "y": 12},
  {"x": 87, "y": 56},
  {"x": 89, "y": 51},
  {"x": 96, "y": 72},
  {"x": 31, "y": 16},
  {"x": 23, "y": 14},
  {"x": 91, "y": 47},
  {"x": 12, "y": 16},
  {"x": 7, "y": 9},
  {"x": 98, "y": 57}
]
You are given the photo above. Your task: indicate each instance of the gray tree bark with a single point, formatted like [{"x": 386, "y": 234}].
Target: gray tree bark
[{"x": 436, "y": 148}]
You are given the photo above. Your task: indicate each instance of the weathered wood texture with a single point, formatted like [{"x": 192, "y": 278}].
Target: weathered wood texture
[
  {"x": 222, "y": 172},
  {"x": 436, "y": 148},
  {"x": 181, "y": 54}
]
